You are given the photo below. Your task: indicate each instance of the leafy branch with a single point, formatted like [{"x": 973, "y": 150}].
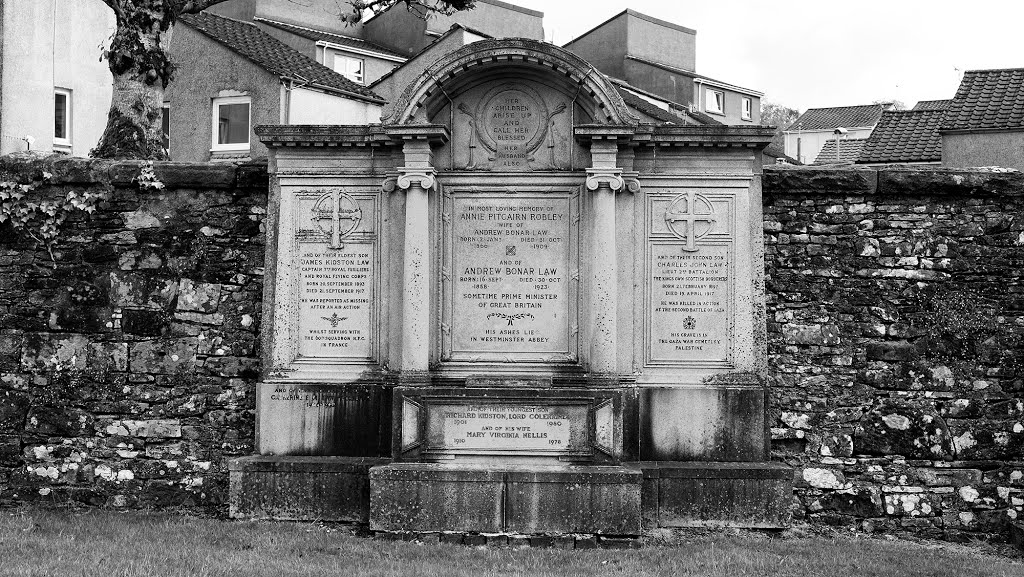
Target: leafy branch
[{"x": 41, "y": 220}]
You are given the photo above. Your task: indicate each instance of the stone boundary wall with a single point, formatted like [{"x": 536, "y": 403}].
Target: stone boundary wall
[
  {"x": 895, "y": 324},
  {"x": 896, "y": 345},
  {"x": 127, "y": 372}
]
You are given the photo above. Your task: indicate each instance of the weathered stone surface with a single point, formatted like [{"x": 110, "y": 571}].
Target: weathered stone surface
[
  {"x": 302, "y": 488},
  {"x": 840, "y": 181},
  {"x": 428, "y": 497},
  {"x": 574, "y": 500},
  {"x": 912, "y": 430},
  {"x": 433, "y": 497},
  {"x": 198, "y": 297},
  {"x": 163, "y": 356},
  {"x": 909, "y": 399},
  {"x": 716, "y": 494},
  {"x": 862, "y": 503},
  {"x": 839, "y": 253}
]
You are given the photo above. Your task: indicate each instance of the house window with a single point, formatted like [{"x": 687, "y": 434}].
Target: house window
[
  {"x": 165, "y": 128},
  {"x": 231, "y": 123},
  {"x": 351, "y": 68},
  {"x": 746, "y": 109},
  {"x": 714, "y": 101},
  {"x": 61, "y": 117}
]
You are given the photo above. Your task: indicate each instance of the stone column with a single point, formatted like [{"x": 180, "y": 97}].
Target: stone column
[
  {"x": 416, "y": 178},
  {"x": 604, "y": 179},
  {"x": 416, "y": 182}
]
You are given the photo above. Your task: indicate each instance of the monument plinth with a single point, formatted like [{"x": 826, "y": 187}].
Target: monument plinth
[{"x": 512, "y": 307}]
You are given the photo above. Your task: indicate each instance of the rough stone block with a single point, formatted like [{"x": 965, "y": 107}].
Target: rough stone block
[
  {"x": 432, "y": 497},
  {"x": 154, "y": 428},
  {"x": 521, "y": 499},
  {"x": 815, "y": 180},
  {"x": 194, "y": 175},
  {"x": 347, "y": 420},
  {"x": 912, "y": 429},
  {"x": 574, "y": 500},
  {"x": 198, "y": 296},
  {"x": 705, "y": 423},
  {"x": 301, "y": 488},
  {"x": 862, "y": 503},
  {"x": 163, "y": 355},
  {"x": 704, "y": 494},
  {"x": 136, "y": 290}
]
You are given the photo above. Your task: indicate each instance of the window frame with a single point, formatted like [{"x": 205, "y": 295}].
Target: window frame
[
  {"x": 710, "y": 93},
  {"x": 64, "y": 141},
  {"x": 215, "y": 123},
  {"x": 345, "y": 57},
  {"x": 747, "y": 108}
]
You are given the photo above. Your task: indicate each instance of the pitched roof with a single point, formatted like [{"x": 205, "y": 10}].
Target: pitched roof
[
  {"x": 323, "y": 36},
  {"x": 676, "y": 114},
  {"x": 905, "y": 136},
  {"x": 275, "y": 56},
  {"x": 932, "y": 105},
  {"x": 849, "y": 151},
  {"x": 988, "y": 99},
  {"x": 839, "y": 116},
  {"x": 409, "y": 58},
  {"x": 660, "y": 114}
]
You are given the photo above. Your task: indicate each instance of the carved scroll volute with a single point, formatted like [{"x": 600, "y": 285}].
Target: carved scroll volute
[
  {"x": 610, "y": 177},
  {"x": 422, "y": 177}
]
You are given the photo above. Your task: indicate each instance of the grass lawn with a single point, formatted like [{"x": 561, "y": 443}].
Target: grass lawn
[{"x": 52, "y": 542}]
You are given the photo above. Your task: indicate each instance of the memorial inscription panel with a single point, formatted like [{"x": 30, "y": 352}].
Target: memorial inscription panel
[
  {"x": 511, "y": 127},
  {"x": 510, "y": 277},
  {"x": 689, "y": 279},
  {"x": 507, "y": 428},
  {"x": 337, "y": 271}
]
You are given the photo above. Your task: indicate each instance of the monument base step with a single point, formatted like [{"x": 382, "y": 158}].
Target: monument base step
[
  {"x": 301, "y": 488},
  {"x": 434, "y": 497},
  {"x": 444, "y": 498},
  {"x": 754, "y": 495}
]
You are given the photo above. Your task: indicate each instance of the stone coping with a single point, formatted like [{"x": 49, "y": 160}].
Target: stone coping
[
  {"x": 61, "y": 169},
  {"x": 475, "y": 472},
  {"x": 892, "y": 180},
  {"x": 308, "y": 464},
  {"x": 712, "y": 470}
]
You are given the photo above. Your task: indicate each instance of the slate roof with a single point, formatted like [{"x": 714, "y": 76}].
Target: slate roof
[
  {"x": 988, "y": 99},
  {"x": 634, "y": 101},
  {"x": 839, "y": 116},
  {"x": 322, "y": 36},
  {"x": 849, "y": 151},
  {"x": 905, "y": 136},
  {"x": 677, "y": 113},
  {"x": 275, "y": 56},
  {"x": 932, "y": 104}
]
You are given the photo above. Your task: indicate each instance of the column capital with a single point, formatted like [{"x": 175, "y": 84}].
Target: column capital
[
  {"x": 424, "y": 177},
  {"x": 631, "y": 180},
  {"x": 610, "y": 177}
]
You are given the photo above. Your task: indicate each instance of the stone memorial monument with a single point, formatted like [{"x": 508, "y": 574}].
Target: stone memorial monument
[{"x": 513, "y": 308}]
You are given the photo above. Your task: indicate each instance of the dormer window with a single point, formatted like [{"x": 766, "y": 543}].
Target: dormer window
[
  {"x": 714, "y": 101},
  {"x": 351, "y": 68}
]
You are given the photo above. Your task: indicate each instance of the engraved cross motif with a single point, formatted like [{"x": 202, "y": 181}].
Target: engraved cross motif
[
  {"x": 342, "y": 207},
  {"x": 690, "y": 217}
]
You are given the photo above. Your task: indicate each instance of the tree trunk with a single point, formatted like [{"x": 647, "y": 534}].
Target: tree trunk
[{"x": 141, "y": 70}]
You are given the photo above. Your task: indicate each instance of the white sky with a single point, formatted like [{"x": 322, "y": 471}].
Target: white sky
[{"x": 807, "y": 54}]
